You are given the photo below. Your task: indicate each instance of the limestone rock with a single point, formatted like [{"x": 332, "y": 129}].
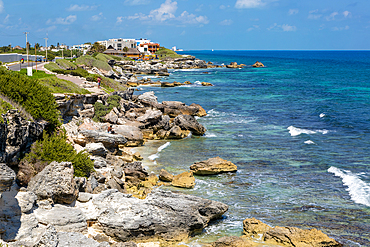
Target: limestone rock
[
  {"x": 184, "y": 180},
  {"x": 109, "y": 140},
  {"x": 111, "y": 117},
  {"x": 97, "y": 149},
  {"x": 232, "y": 241},
  {"x": 165, "y": 176},
  {"x": 55, "y": 182},
  {"x": 201, "y": 112},
  {"x": 187, "y": 122},
  {"x": 235, "y": 65},
  {"x": 69, "y": 239},
  {"x": 49, "y": 238},
  {"x": 287, "y": 236},
  {"x": 7, "y": 177},
  {"x": 213, "y": 166},
  {"x": 207, "y": 84},
  {"x": 163, "y": 215},
  {"x": 148, "y": 97},
  {"x": 258, "y": 64},
  {"x": 133, "y": 134},
  {"x": 63, "y": 218},
  {"x": 150, "y": 116},
  {"x": 26, "y": 201}
]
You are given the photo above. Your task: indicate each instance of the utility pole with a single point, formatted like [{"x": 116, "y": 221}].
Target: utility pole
[
  {"x": 36, "y": 57},
  {"x": 46, "y": 45},
  {"x": 27, "y": 45},
  {"x": 62, "y": 51}
]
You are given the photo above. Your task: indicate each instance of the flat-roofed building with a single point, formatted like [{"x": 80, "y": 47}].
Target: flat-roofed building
[{"x": 118, "y": 44}]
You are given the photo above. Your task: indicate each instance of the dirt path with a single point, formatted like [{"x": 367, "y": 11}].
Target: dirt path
[{"x": 75, "y": 80}]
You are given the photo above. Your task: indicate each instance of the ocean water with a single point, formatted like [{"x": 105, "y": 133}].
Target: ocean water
[{"x": 298, "y": 130}]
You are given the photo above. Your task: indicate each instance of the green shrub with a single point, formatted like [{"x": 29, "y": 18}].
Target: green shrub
[
  {"x": 101, "y": 110},
  {"x": 51, "y": 148},
  {"x": 28, "y": 92},
  {"x": 56, "y": 85},
  {"x": 79, "y": 72},
  {"x": 51, "y": 66},
  {"x": 4, "y": 107},
  {"x": 92, "y": 62},
  {"x": 65, "y": 64}
]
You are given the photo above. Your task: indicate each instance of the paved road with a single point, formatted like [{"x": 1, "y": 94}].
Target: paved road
[{"x": 24, "y": 65}]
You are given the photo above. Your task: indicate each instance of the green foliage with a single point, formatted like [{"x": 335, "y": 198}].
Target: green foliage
[
  {"x": 52, "y": 66},
  {"x": 4, "y": 107},
  {"x": 101, "y": 110},
  {"x": 65, "y": 64},
  {"x": 92, "y": 62},
  {"x": 165, "y": 53},
  {"x": 56, "y": 85},
  {"x": 96, "y": 47},
  {"x": 36, "y": 75},
  {"x": 28, "y": 92},
  {"x": 51, "y": 148},
  {"x": 108, "y": 84}
]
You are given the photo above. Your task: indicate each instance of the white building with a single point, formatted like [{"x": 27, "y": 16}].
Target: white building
[
  {"x": 143, "y": 41},
  {"x": 118, "y": 44},
  {"x": 83, "y": 48}
]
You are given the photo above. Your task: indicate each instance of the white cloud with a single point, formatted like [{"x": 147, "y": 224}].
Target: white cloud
[
  {"x": 284, "y": 27},
  {"x": 253, "y": 28},
  {"x": 97, "y": 17},
  {"x": 246, "y": 4},
  {"x": 293, "y": 11},
  {"x": 222, "y": 7},
  {"x": 164, "y": 13},
  {"x": 76, "y": 7},
  {"x": 331, "y": 17},
  {"x": 136, "y": 2},
  {"x": 48, "y": 29},
  {"x": 6, "y": 19},
  {"x": 314, "y": 15},
  {"x": 183, "y": 33},
  {"x": 199, "y": 8},
  {"x": 340, "y": 28},
  {"x": 287, "y": 28},
  {"x": 63, "y": 21},
  {"x": 226, "y": 22},
  {"x": 1, "y": 6},
  {"x": 185, "y": 17},
  {"x": 347, "y": 14}
]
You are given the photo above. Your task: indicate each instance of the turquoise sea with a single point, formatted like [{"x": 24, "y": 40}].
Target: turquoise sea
[{"x": 298, "y": 130}]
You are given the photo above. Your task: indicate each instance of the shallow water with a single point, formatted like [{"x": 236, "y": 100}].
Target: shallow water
[{"x": 298, "y": 130}]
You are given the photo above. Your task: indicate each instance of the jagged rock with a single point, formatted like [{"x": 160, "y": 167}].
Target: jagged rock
[
  {"x": 63, "y": 218},
  {"x": 258, "y": 64},
  {"x": 26, "y": 201},
  {"x": 164, "y": 124},
  {"x": 55, "y": 182},
  {"x": 187, "y": 122},
  {"x": 72, "y": 104},
  {"x": 148, "y": 97},
  {"x": 84, "y": 197},
  {"x": 288, "y": 236},
  {"x": 184, "y": 180},
  {"x": 111, "y": 117},
  {"x": 207, "y": 84},
  {"x": 213, "y": 166},
  {"x": 127, "y": 244},
  {"x": 150, "y": 116},
  {"x": 17, "y": 136},
  {"x": 136, "y": 170},
  {"x": 234, "y": 65},
  {"x": 49, "y": 238},
  {"x": 7, "y": 177},
  {"x": 201, "y": 112},
  {"x": 75, "y": 239},
  {"x": 175, "y": 133},
  {"x": 109, "y": 140},
  {"x": 97, "y": 149},
  {"x": 232, "y": 241},
  {"x": 165, "y": 176},
  {"x": 99, "y": 162},
  {"x": 163, "y": 215},
  {"x": 133, "y": 134}
]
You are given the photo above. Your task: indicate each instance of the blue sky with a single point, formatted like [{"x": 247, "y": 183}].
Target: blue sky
[{"x": 191, "y": 24}]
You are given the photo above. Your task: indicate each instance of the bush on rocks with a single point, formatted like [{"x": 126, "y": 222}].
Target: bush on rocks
[
  {"x": 101, "y": 110},
  {"x": 53, "y": 148}
]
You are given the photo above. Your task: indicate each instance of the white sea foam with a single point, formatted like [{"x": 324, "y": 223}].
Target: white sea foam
[
  {"x": 153, "y": 157},
  {"x": 293, "y": 131},
  {"x": 322, "y": 115},
  {"x": 309, "y": 142},
  {"x": 357, "y": 189},
  {"x": 324, "y": 132},
  {"x": 208, "y": 134},
  {"x": 167, "y": 144}
]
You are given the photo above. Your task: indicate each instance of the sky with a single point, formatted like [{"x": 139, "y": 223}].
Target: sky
[{"x": 192, "y": 24}]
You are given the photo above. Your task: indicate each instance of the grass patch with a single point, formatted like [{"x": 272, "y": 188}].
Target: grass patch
[
  {"x": 51, "y": 66},
  {"x": 4, "y": 107},
  {"x": 36, "y": 75},
  {"x": 30, "y": 94},
  {"x": 65, "y": 64},
  {"x": 56, "y": 85},
  {"x": 93, "y": 62},
  {"x": 166, "y": 53}
]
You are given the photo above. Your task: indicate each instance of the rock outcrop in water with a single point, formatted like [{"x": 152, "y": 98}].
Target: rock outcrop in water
[{"x": 213, "y": 166}]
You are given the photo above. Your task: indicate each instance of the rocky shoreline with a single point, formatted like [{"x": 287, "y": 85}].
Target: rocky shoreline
[{"x": 120, "y": 203}]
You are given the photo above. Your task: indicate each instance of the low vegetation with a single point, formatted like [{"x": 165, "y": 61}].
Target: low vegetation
[
  {"x": 56, "y": 85},
  {"x": 52, "y": 66},
  {"x": 166, "y": 53},
  {"x": 4, "y": 107},
  {"x": 65, "y": 64},
  {"x": 101, "y": 110},
  {"x": 93, "y": 62},
  {"x": 30, "y": 94},
  {"x": 53, "y": 147}
]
